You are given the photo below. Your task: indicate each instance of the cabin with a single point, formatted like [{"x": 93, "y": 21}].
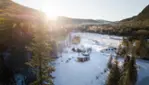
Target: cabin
[{"x": 83, "y": 59}]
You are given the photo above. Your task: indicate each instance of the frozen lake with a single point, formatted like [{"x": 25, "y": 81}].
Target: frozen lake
[{"x": 92, "y": 72}]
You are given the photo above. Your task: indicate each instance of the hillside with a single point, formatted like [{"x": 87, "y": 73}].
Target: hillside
[
  {"x": 15, "y": 16},
  {"x": 139, "y": 21},
  {"x": 78, "y": 21},
  {"x": 135, "y": 25},
  {"x": 144, "y": 15},
  {"x": 17, "y": 25}
]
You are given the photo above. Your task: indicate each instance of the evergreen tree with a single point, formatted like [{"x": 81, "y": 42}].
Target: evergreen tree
[
  {"x": 133, "y": 70},
  {"x": 40, "y": 60},
  {"x": 129, "y": 75},
  {"x": 114, "y": 75},
  {"x": 126, "y": 61},
  {"x": 143, "y": 51},
  {"x": 124, "y": 47},
  {"x": 109, "y": 65}
]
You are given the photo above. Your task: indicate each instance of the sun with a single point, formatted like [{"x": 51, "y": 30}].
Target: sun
[
  {"x": 51, "y": 16},
  {"x": 51, "y": 12}
]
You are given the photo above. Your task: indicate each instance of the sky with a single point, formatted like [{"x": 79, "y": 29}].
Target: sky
[{"x": 112, "y": 10}]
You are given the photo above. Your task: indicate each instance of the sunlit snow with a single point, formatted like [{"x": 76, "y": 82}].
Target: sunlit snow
[{"x": 92, "y": 72}]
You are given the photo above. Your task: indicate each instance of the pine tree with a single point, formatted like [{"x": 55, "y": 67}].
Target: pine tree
[
  {"x": 129, "y": 75},
  {"x": 109, "y": 64},
  {"x": 114, "y": 75},
  {"x": 126, "y": 61},
  {"x": 124, "y": 47},
  {"x": 40, "y": 60},
  {"x": 133, "y": 71}
]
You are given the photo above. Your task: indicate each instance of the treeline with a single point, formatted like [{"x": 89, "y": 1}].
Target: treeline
[
  {"x": 41, "y": 56},
  {"x": 24, "y": 41},
  {"x": 15, "y": 37},
  {"x": 138, "y": 46},
  {"x": 130, "y": 28},
  {"x": 125, "y": 74},
  {"x": 21, "y": 40}
]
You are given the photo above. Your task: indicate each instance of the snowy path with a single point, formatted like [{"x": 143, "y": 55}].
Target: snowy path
[{"x": 70, "y": 72}]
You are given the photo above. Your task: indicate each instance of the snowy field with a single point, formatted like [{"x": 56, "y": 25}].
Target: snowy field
[{"x": 92, "y": 72}]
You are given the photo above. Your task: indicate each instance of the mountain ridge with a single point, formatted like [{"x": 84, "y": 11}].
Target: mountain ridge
[
  {"x": 68, "y": 20},
  {"x": 142, "y": 16}
]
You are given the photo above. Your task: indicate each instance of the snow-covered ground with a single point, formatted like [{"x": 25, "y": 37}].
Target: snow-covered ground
[{"x": 92, "y": 72}]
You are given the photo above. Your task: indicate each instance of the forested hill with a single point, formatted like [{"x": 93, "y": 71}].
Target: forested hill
[
  {"x": 8, "y": 6},
  {"x": 15, "y": 20},
  {"x": 17, "y": 26},
  {"x": 139, "y": 21},
  {"x": 79, "y": 21},
  {"x": 135, "y": 25},
  {"x": 144, "y": 15}
]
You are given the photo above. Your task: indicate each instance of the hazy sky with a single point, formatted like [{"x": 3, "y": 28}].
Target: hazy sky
[{"x": 112, "y": 10}]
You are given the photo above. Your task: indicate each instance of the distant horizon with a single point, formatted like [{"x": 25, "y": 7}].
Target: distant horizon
[
  {"x": 88, "y": 9},
  {"x": 80, "y": 18}
]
